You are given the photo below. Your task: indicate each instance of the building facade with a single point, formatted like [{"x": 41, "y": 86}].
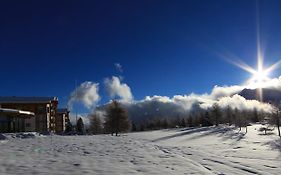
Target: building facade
[
  {"x": 62, "y": 119},
  {"x": 12, "y": 120},
  {"x": 44, "y": 109}
]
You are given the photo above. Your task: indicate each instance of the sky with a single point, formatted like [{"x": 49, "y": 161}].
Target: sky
[{"x": 131, "y": 49}]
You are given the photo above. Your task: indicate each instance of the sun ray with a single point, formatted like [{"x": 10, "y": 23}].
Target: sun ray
[
  {"x": 273, "y": 67},
  {"x": 242, "y": 65},
  {"x": 245, "y": 67},
  {"x": 260, "y": 75}
]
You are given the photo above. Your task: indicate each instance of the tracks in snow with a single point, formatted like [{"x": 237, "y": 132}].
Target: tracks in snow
[{"x": 208, "y": 163}]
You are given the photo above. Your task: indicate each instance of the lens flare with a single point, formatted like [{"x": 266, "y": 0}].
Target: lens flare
[{"x": 260, "y": 75}]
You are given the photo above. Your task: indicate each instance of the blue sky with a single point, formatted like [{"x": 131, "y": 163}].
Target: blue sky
[{"x": 165, "y": 47}]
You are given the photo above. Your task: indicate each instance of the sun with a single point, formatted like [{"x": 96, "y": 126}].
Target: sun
[{"x": 259, "y": 77}]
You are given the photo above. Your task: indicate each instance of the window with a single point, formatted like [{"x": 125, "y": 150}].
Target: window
[{"x": 41, "y": 109}]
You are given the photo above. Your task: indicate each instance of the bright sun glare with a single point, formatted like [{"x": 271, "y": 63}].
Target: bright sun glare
[{"x": 260, "y": 76}]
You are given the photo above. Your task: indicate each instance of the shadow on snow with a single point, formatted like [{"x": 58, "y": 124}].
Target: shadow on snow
[{"x": 223, "y": 132}]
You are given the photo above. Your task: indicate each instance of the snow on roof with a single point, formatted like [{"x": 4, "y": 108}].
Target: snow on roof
[
  {"x": 14, "y": 99},
  {"x": 15, "y": 111},
  {"x": 26, "y": 112}
]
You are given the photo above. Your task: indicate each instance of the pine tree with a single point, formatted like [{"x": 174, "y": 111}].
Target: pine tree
[
  {"x": 229, "y": 115},
  {"x": 196, "y": 120},
  {"x": 182, "y": 123},
  {"x": 255, "y": 115},
  {"x": 134, "y": 127},
  {"x": 157, "y": 123},
  {"x": 190, "y": 121},
  {"x": 216, "y": 114},
  {"x": 206, "y": 119},
  {"x": 245, "y": 119},
  {"x": 276, "y": 121},
  {"x": 142, "y": 127},
  {"x": 80, "y": 126},
  {"x": 241, "y": 119},
  {"x": 237, "y": 116},
  {"x": 164, "y": 123},
  {"x": 96, "y": 124},
  {"x": 116, "y": 120},
  {"x": 69, "y": 127}
]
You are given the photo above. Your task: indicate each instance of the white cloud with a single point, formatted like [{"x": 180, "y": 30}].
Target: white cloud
[
  {"x": 182, "y": 105},
  {"x": 86, "y": 93},
  {"x": 118, "y": 67},
  {"x": 223, "y": 91},
  {"x": 186, "y": 103},
  {"x": 239, "y": 102},
  {"x": 117, "y": 89}
]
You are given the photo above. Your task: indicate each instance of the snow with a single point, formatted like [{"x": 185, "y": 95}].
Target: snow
[
  {"x": 210, "y": 150},
  {"x": 15, "y": 111}
]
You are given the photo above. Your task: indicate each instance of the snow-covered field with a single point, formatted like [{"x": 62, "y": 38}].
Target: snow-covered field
[{"x": 179, "y": 151}]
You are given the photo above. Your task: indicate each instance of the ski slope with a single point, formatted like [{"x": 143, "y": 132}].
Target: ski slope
[{"x": 211, "y": 150}]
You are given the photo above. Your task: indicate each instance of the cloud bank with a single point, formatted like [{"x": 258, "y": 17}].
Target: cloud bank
[
  {"x": 87, "y": 94},
  {"x": 183, "y": 105},
  {"x": 236, "y": 101},
  {"x": 117, "y": 89},
  {"x": 175, "y": 106}
]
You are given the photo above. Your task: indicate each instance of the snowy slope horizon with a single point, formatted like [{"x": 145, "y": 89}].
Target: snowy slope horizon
[{"x": 207, "y": 150}]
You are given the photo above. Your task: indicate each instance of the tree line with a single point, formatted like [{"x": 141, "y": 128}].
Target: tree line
[
  {"x": 116, "y": 120},
  {"x": 213, "y": 117}
]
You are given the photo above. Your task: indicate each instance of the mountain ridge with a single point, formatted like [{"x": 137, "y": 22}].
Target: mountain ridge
[{"x": 269, "y": 95}]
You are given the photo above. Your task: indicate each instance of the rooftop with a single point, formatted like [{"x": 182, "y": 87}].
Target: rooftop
[{"x": 13, "y": 99}]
